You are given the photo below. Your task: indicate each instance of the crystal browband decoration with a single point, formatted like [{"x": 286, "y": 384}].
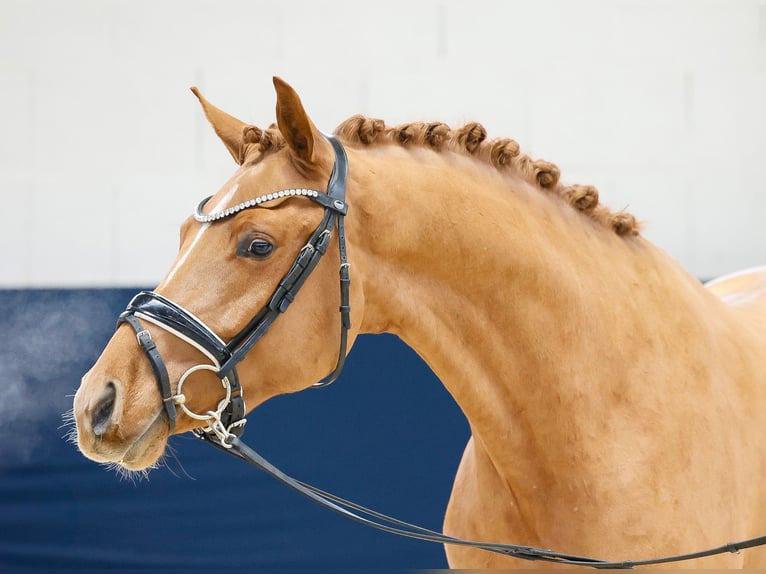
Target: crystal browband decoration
[{"x": 210, "y": 217}]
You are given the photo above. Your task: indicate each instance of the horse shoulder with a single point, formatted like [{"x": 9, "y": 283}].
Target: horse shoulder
[{"x": 478, "y": 508}]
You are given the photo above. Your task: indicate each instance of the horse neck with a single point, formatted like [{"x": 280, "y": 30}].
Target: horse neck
[{"x": 521, "y": 306}]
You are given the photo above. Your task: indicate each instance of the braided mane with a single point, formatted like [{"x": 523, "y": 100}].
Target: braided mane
[{"x": 471, "y": 139}]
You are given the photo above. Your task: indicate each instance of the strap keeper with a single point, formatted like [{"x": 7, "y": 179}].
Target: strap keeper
[
  {"x": 345, "y": 315},
  {"x": 284, "y": 303},
  {"x": 323, "y": 241}
]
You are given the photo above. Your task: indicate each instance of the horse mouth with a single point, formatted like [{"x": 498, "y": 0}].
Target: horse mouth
[{"x": 141, "y": 453}]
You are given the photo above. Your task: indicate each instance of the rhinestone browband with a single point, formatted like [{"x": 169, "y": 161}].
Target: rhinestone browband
[{"x": 208, "y": 218}]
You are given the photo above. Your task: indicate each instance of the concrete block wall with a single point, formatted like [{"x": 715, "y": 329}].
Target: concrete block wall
[{"x": 103, "y": 150}]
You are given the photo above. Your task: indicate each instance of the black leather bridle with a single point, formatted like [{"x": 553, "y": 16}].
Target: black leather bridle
[
  {"x": 225, "y": 425},
  {"x": 227, "y": 421}
]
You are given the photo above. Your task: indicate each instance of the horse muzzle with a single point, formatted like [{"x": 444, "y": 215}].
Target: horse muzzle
[{"x": 107, "y": 434}]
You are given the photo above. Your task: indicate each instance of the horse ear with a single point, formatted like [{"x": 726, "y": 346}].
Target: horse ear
[
  {"x": 300, "y": 133},
  {"x": 228, "y": 128}
]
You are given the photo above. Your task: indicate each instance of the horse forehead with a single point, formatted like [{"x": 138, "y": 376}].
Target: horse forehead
[
  {"x": 241, "y": 180},
  {"x": 269, "y": 171},
  {"x": 219, "y": 202}
]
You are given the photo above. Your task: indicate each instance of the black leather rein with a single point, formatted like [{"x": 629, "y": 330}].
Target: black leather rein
[
  {"x": 391, "y": 525},
  {"x": 226, "y": 425}
]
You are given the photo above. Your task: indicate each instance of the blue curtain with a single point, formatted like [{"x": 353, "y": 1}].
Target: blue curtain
[{"x": 386, "y": 435}]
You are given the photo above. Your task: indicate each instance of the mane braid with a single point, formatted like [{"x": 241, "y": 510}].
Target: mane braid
[{"x": 503, "y": 154}]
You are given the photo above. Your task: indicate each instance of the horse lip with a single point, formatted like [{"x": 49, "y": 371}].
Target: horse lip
[
  {"x": 153, "y": 432},
  {"x": 103, "y": 452}
]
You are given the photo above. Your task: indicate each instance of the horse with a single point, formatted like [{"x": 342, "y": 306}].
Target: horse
[{"x": 615, "y": 403}]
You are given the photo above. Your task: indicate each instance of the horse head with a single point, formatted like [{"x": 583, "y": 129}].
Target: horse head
[{"x": 176, "y": 357}]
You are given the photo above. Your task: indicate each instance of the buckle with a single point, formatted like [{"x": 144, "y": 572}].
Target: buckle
[{"x": 145, "y": 340}]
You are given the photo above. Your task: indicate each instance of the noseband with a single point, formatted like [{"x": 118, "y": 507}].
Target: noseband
[{"x": 227, "y": 421}]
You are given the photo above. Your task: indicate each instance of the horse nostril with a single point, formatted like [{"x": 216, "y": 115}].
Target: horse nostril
[{"x": 103, "y": 410}]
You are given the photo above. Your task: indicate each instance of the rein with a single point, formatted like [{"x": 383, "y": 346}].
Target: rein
[
  {"x": 225, "y": 425},
  {"x": 391, "y": 525}
]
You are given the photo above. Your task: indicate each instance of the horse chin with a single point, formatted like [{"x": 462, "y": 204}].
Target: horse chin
[{"x": 147, "y": 449}]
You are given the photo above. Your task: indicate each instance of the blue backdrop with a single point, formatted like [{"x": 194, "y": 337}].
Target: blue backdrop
[{"x": 386, "y": 435}]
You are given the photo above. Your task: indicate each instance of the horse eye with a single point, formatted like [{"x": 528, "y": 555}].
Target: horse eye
[{"x": 260, "y": 248}]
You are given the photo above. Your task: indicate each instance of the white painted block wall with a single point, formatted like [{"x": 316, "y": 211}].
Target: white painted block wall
[{"x": 104, "y": 151}]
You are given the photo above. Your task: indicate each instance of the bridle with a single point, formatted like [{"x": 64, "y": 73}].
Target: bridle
[
  {"x": 228, "y": 421},
  {"x": 225, "y": 425}
]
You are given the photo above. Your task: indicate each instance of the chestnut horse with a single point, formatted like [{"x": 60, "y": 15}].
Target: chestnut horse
[{"x": 616, "y": 405}]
